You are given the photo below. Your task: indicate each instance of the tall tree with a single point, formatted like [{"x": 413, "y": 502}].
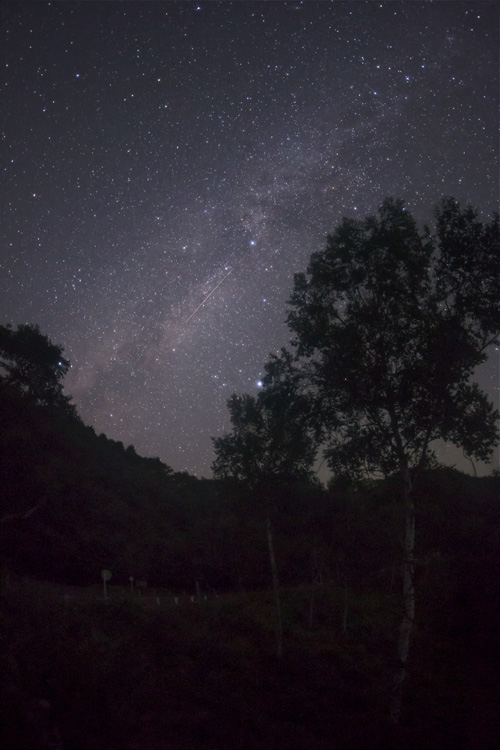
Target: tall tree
[
  {"x": 271, "y": 438},
  {"x": 32, "y": 364},
  {"x": 389, "y": 327}
]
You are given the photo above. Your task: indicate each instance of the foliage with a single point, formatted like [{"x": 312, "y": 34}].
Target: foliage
[
  {"x": 270, "y": 435},
  {"x": 389, "y": 327},
  {"x": 32, "y": 364}
]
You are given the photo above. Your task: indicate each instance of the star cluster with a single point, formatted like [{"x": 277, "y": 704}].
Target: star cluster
[{"x": 154, "y": 152}]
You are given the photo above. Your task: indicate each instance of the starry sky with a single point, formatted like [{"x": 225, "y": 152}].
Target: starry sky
[{"x": 159, "y": 154}]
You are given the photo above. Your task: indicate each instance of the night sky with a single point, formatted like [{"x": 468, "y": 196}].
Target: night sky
[{"x": 156, "y": 152}]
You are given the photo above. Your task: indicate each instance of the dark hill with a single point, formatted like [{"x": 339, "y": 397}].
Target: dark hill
[{"x": 161, "y": 671}]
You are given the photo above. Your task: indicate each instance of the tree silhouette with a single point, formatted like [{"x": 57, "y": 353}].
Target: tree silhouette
[
  {"x": 271, "y": 439},
  {"x": 389, "y": 327},
  {"x": 270, "y": 434},
  {"x": 31, "y": 364}
]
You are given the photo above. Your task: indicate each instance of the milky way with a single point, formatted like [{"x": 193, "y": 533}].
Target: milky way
[{"x": 152, "y": 148}]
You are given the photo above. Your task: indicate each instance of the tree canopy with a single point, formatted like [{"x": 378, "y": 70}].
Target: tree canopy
[
  {"x": 389, "y": 327},
  {"x": 270, "y": 433},
  {"x": 33, "y": 365}
]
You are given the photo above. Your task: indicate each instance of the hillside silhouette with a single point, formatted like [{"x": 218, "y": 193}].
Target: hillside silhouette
[{"x": 189, "y": 661}]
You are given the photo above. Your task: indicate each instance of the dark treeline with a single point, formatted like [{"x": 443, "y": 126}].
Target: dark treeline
[
  {"x": 92, "y": 674},
  {"x": 74, "y": 502}
]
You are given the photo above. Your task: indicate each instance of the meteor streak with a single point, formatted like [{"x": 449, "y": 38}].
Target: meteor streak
[{"x": 209, "y": 295}]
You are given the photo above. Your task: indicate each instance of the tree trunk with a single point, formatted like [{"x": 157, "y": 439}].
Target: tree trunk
[
  {"x": 276, "y": 589},
  {"x": 408, "y": 614}
]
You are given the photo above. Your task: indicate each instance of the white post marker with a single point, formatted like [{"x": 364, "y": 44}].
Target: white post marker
[{"x": 105, "y": 575}]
